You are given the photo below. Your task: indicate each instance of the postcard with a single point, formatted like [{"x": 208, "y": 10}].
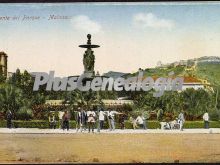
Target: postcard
[{"x": 134, "y": 82}]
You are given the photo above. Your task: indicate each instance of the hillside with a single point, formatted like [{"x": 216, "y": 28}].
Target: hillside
[
  {"x": 206, "y": 68},
  {"x": 209, "y": 71}
]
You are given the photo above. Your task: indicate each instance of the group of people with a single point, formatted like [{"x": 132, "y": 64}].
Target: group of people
[
  {"x": 89, "y": 119},
  {"x": 140, "y": 121},
  {"x": 179, "y": 122},
  {"x": 64, "y": 118},
  {"x": 175, "y": 124}
]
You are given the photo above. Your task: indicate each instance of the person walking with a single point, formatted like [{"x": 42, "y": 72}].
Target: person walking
[
  {"x": 9, "y": 119},
  {"x": 66, "y": 118},
  {"x": 83, "y": 117},
  {"x": 181, "y": 120},
  {"x": 112, "y": 119},
  {"x": 206, "y": 120},
  {"x": 61, "y": 119},
  {"x": 52, "y": 121},
  {"x": 144, "y": 118},
  {"x": 78, "y": 119},
  {"x": 101, "y": 118}
]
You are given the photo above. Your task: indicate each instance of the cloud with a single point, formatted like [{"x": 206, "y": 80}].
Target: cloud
[
  {"x": 85, "y": 24},
  {"x": 145, "y": 20}
]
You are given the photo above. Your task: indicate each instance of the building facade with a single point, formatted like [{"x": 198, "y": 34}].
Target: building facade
[{"x": 4, "y": 64}]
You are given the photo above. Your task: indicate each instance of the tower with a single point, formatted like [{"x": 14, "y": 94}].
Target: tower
[{"x": 4, "y": 63}]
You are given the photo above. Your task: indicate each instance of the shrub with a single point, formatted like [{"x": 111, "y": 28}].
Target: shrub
[
  {"x": 24, "y": 114},
  {"x": 168, "y": 116},
  {"x": 3, "y": 124},
  {"x": 152, "y": 124},
  {"x": 214, "y": 115},
  {"x": 200, "y": 124}
]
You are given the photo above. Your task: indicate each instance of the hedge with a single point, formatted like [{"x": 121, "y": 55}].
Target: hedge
[
  {"x": 150, "y": 124},
  {"x": 43, "y": 124}
]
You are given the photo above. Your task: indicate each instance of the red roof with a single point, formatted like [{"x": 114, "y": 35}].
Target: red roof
[{"x": 186, "y": 79}]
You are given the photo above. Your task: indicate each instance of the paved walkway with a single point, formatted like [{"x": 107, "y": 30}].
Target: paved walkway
[{"x": 117, "y": 131}]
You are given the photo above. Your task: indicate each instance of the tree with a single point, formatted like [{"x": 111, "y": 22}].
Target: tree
[
  {"x": 84, "y": 99},
  {"x": 16, "y": 78},
  {"x": 10, "y": 98},
  {"x": 196, "y": 102}
]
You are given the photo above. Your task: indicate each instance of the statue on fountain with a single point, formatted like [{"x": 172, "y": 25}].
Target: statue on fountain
[
  {"x": 88, "y": 60},
  {"x": 89, "y": 57}
]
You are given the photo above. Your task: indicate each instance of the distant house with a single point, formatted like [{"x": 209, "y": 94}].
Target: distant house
[
  {"x": 177, "y": 63},
  {"x": 192, "y": 82},
  {"x": 4, "y": 64},
  {"x": 115, "y": 75},
  {"x": 209, "y": 59},
  {"x": 159, "y": 64},
  {"x": 54, "y": 102},
  {"x": 183, "y": 62},
  {"x": 116, "y": 102},
  {"x": 190, "y": 68},
  {"x": 105, "y": 102}
]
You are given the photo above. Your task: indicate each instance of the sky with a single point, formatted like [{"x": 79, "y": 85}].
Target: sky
[{"x": 130, "y": 35}]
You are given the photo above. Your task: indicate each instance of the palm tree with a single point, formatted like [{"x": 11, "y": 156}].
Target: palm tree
[
  {"x": 85, "y": 99},
  {"x": 10, "y": 98},
  {"x": 197, "y": 101}
]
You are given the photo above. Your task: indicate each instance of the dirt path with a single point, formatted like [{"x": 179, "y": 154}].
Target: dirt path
[{"x": 109, "y": 148}]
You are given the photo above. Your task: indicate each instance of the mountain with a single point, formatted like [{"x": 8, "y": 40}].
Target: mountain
[{"x": 206, "y": 68}]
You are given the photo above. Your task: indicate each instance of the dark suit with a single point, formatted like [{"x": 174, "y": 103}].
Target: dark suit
[{"x": 81, "y": 118}]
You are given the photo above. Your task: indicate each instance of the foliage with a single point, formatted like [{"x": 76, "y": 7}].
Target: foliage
[
  {"x": 209, "y": 71},
  {"x": 169, "y": 105},
  {"x": 214, "y": 115},
  {"x": 87, "y": 99},
  {"x": 108, "y": 94},
  {"x": 24, "y": 113},
  {"x": 17, "y": 95},
  {"x": 10, "y": 98},
  {"x": 196, "y": 102},
  {"x": 160, "y": 114},
  {"x": 42, "y": 111}
]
